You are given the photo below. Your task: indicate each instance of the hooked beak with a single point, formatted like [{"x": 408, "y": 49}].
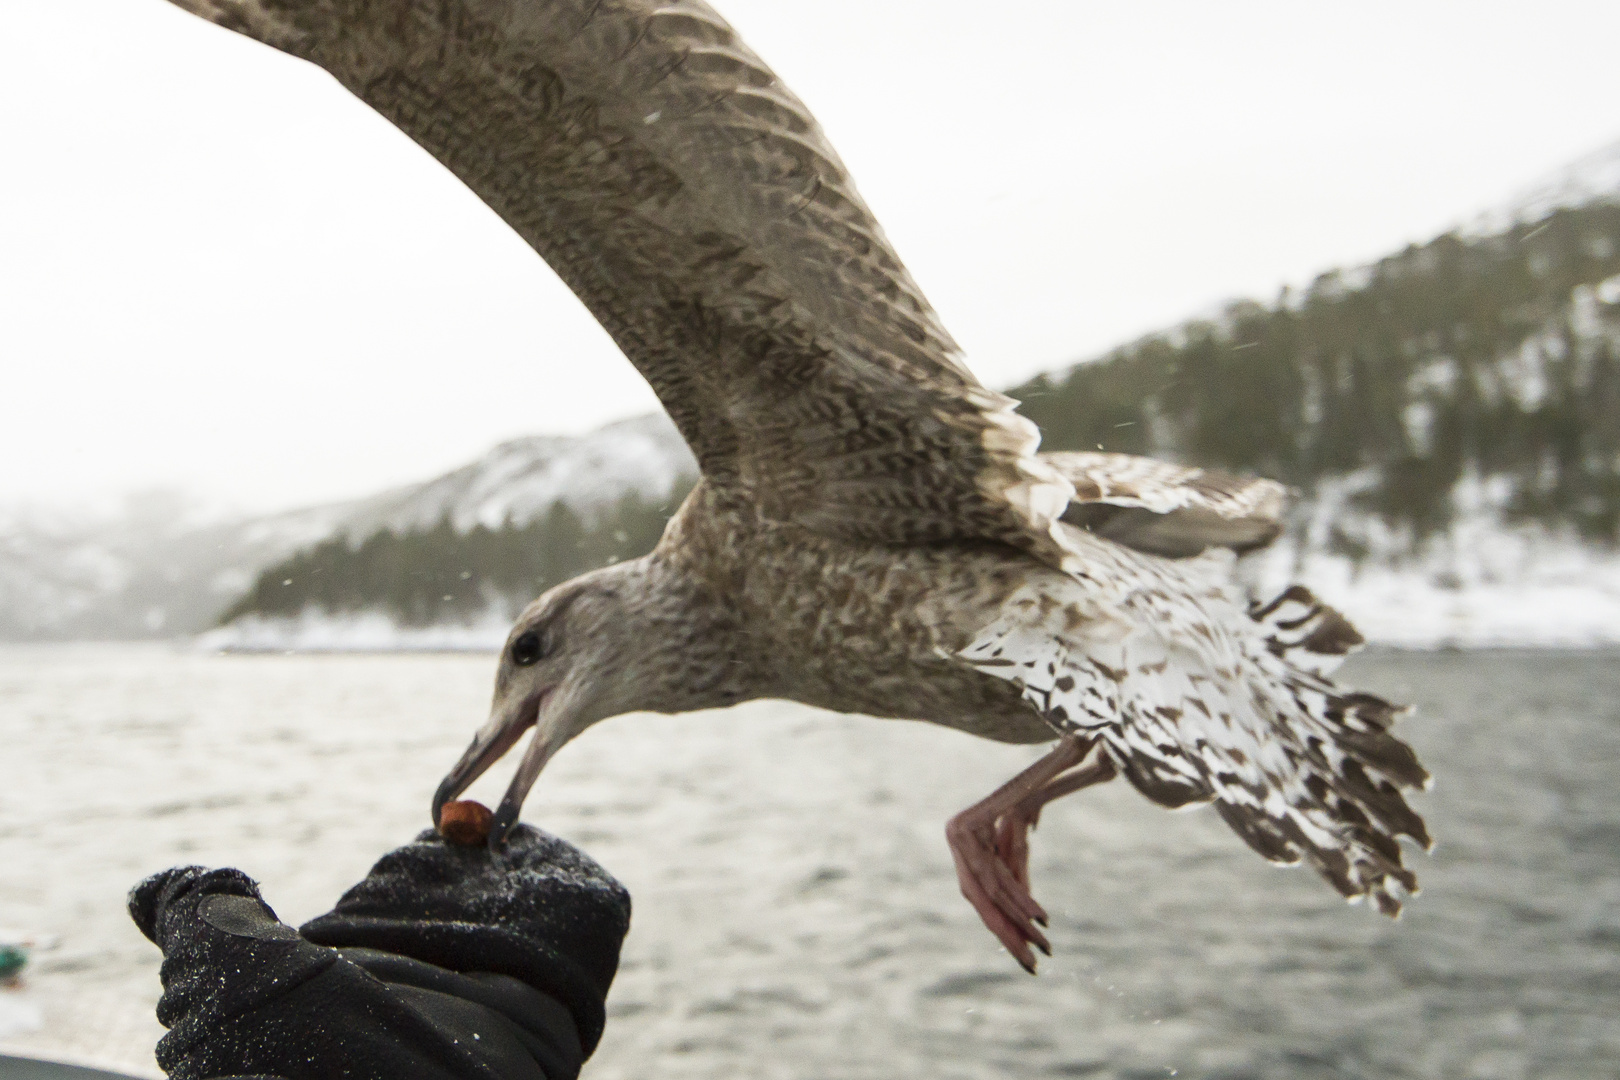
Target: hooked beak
[{"x": 498, "y": 735}]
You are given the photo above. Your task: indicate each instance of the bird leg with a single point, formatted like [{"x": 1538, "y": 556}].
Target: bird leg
[
  {"x": 988, "y": 879},
  {"x": 1013, "y": 827}
]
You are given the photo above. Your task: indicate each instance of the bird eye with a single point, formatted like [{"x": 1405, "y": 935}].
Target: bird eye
[{"x": 528, "y": 648}]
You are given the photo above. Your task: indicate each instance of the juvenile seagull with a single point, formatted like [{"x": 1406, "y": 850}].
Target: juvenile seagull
[{"x": 874, "y": 531}]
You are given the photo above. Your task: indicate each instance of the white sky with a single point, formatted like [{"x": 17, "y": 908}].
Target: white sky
[{"x": 219, "y": 271}]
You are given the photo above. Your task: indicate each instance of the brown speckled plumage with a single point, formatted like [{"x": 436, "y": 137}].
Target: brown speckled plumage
[{"x": 874, "y": 531}]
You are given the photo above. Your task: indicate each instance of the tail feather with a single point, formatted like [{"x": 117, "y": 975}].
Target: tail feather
[
  {"x": 1352, "y": 768},
  {"x": 1306, "y": 632},
  {"x": 1198, "y": 697}
]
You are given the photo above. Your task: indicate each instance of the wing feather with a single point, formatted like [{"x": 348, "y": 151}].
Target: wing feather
[
  {"x": 695, "y": 207},
  {"x": 1165, "y": 509}
]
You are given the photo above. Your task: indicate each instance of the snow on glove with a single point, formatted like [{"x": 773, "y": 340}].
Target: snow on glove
[{"x": 444, "y": 963}]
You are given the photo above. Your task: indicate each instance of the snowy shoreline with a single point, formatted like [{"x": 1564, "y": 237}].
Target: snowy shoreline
[
  {"x": 363, "y": 632},
  {"x": 1481, "y": 584},
  {"x": 1401, "y": 611}
]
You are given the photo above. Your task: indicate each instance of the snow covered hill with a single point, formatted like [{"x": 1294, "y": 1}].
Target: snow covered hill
[
  {"x": 1588, "y": 178},
  {"x": 158, "y": 566},
  {"x": 1486, "y": 581},
  {"x": 1449, "y": 418},
  {"x": 522, "y": 478},
  {"x": 155, "y": 566}
]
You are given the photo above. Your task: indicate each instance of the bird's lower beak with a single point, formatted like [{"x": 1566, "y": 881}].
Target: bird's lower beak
[{"x": 493, "y": 740}]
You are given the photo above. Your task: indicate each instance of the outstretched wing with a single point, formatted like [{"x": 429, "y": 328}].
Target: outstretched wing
[
  {"x": 1164, "y": 509},
  {"x": 693, "y": 204}
]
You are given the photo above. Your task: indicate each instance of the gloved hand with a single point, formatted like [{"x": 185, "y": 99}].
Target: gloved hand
[{"x": 445, "y": 962}]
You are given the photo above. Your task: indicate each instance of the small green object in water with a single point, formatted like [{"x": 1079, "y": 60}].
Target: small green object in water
[{"x": 13, "y": 958}]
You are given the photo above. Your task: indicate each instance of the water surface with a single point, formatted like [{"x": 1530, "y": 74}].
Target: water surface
[{"x": 796, "y": 911}]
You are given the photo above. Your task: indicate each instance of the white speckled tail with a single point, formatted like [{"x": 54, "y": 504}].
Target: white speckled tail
[{"x": 1199, "y": 696}]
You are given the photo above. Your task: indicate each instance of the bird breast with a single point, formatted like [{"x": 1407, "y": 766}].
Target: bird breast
[{"x": 868, "y": 629}]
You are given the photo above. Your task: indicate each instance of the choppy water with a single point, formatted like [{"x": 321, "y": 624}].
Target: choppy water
[{"x": 796, "y": 911}]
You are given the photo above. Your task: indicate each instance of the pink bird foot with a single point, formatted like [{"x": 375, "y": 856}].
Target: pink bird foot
[{"x": 989, "y": 842}]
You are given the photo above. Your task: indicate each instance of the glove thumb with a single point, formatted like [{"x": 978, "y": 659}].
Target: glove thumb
[{"x": 163, "y": 901}]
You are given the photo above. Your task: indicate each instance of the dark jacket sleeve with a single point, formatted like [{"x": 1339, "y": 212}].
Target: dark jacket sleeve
[{"x": 246, "y": 995}]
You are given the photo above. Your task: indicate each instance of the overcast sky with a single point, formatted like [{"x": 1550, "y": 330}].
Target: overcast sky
[{"x": 218, "y": 271}]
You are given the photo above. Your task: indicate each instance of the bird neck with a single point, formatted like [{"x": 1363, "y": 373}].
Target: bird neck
[{"x": 679, "y": 645}]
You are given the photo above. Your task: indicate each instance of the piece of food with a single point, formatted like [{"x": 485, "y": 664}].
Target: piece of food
[{"x": 465, "y": 822}]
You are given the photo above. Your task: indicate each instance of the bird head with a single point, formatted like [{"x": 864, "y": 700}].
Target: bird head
[{"x": 620, "y": 639}]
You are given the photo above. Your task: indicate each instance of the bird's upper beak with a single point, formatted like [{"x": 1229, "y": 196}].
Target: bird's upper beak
[{"x": 499, "y": 734}]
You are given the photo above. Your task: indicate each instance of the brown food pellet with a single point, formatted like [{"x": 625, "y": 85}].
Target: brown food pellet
[{"x": 465, "y": 822}]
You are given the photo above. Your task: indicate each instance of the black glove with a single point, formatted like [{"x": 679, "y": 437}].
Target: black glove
[{"x": 445, "y": 962}]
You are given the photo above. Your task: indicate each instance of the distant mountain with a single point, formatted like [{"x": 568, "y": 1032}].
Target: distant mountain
[
  {"x": 1448, "y": 417},
  {"x": 521, "y": 480},
  {"x": 1591, "y": 178},
  {"x": 158, "y": 567},
  {"x": 1495, "y": 357},
  {"x": 429, "y": 577}
]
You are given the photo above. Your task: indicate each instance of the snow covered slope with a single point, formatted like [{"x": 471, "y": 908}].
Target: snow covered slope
[
  {"x": 1449, "y": 418},
  {"x": 1587, "y": 178},
  {"x": 158, "y": 566},
  {"x": 154, "y": 566},
  {"x": 1486, "y": 581},
  {"x": 524, "y": 477},
  {"x": 1453, "y": 430}
]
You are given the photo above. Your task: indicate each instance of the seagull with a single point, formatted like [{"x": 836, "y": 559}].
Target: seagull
[{"x": 874, "y": 531}]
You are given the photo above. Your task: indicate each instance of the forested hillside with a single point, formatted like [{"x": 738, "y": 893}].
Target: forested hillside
[
  {"x": 421, "y": 577},
  {"x": 1496, "y": 357}
]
